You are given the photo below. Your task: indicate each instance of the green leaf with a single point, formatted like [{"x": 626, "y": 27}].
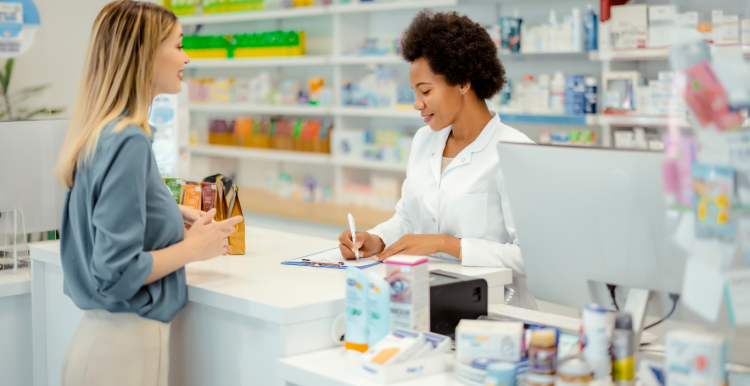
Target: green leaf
[{"x": 8, "y": 72}]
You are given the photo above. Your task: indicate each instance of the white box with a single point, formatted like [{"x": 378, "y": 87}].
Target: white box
[
  {"x": 489, "y": 339},
  {"x": 730, "y": 32},
  {"x": 694, "y": 358},
  {"x": 629, "y": 26},
  {"x": 746, "y": 32},
  {"x": 661, "y": 22},
  {"x": 661, "y": 13},
  {"x": 406, "y": 370},
  {"x": 687, "y": 19},
  {"x": 410, "y": 292}
]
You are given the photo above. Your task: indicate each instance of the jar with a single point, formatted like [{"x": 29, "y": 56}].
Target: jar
[
  {"x": 540, "y": 380},
  {"x": 501, "y": 374},
  {"x": 543, "y": 351},
  {"x": 574, "y": 372}
]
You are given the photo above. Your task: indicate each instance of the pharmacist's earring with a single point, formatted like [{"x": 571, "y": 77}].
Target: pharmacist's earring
[{"x": 463, "y": 92}]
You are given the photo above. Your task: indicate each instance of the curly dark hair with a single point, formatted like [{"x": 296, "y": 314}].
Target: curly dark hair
[{"x": 457, "y": 48}]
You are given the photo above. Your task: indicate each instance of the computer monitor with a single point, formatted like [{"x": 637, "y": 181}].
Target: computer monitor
[{"x": 589, "y": 216}]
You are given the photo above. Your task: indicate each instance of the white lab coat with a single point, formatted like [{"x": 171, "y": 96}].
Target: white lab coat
[{"x": 467, "y": 201}]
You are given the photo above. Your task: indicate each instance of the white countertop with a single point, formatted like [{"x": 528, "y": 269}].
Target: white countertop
[
  {"x": 258, "y": 285},
  {"x": 329, "y": 368},
  {"x": 12, "y": 284}
]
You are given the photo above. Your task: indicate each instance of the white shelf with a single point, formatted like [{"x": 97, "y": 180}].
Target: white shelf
[
  {"x": 245, "y": 108},
  {"x": 259, "y": 62},
  {"x": 390, "y": 6},
  {"x": 375, "y": 112},
  {"x": 641, "y": 120},
  {"x": 370, "y": 165},
  {"x": 371, "y": 59},
  {"x": 639, "y": 54},
  {"x": 233, "y": 17},
  {"x": 261, "y": 154},
  {"x": 254, "y": 15},
  {"x": 237, "y": 152}
]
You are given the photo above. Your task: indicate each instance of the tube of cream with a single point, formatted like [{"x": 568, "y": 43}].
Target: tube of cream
[
  {"x": 356, "y": 309},
  {"x": 378, "y": 308}
]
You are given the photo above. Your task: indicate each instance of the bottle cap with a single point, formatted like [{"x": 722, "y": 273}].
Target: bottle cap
[
  {"x": 497, "y": 369},
  {"x": 623, "y": 321},
  {"x": 544, "y": 337},
  {"x": 574, "y": 367}
]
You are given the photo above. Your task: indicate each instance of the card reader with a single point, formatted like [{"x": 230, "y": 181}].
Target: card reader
[{"x": 454, "y": 297}]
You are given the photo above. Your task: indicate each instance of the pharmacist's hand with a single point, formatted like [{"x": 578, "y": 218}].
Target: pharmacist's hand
[
  {"x": 416, "y": 245},
  {"x": 367, "y": 245},
  {"x": 190, "y": 215},
  {"x": 208, "y": 239}
]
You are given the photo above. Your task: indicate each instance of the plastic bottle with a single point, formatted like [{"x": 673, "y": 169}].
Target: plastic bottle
[
  {"x": 557, "y": 94},
  {"x": 595, "y": 340},
  {"x": 576, "y": 33},
  {"x": 378, "y": 308},
  {"x": 552, "y": 25},
  {"x": 356, "y": 309},
  {"x": 501, "y": 374},
  {"x": 591, "y": 29},
  {"x": 543, "y": 351},
  {"x": 532, "y": 94},
  {"x": 574, "y": 372},
  {"x": 544, "y": 93},
  {"x": 519, "y": 97},
  {"x": 590, "y": 95},
  {"x": 623, "y": 350}
]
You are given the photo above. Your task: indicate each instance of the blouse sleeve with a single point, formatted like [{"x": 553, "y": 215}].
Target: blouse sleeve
[
  {"x": 487, "y": 253},
  {"x": 119, "y": 264}
]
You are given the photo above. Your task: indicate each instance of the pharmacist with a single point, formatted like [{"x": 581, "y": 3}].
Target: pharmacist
[{"x": 453, "y": 203}]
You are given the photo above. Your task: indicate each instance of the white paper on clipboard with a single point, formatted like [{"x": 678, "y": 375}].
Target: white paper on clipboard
[{"x": 334, "y": 256}]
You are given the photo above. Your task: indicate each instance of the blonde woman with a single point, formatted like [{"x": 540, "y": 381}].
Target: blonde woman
[{"x": 123, "y": 243}]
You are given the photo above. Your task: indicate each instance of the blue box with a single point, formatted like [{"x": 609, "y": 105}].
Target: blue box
[{"x": 575, "y": 94}]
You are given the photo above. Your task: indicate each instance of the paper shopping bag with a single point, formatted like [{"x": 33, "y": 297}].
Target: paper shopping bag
[{"x": 228, "y": 206}]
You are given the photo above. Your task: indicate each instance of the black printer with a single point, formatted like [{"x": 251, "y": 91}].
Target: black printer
[{"x": 454, "y": 297}]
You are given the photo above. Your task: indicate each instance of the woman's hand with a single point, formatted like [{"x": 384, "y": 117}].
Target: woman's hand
[
  {"x": 190, "y": 215},
  {"x": 367, "y": 245},
  {"x": 208, "y": 239},
  {"x": 421, "y": 245}
]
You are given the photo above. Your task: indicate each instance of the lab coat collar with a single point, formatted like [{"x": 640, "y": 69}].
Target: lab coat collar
[{"x": 464, "y": 156}]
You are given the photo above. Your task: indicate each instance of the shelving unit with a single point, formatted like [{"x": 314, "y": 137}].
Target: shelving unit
[{"x": 344, "y": 24}]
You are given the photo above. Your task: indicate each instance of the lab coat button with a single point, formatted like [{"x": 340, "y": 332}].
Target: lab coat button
[{"x": 463, "y": 159}]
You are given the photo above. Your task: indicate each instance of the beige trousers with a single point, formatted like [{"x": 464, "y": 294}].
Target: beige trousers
[{"x": 117, "y": 349}]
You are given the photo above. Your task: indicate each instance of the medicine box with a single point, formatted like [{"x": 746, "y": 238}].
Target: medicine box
[
  {"x": 489, "y": 339},
  {"x": 661, "y": 21},
  {"x": 695, "y": 358},
  {"x": 410, "y": 292},
  {"x": 629, "y": 26},
  {"x": 405, "y": 370}
]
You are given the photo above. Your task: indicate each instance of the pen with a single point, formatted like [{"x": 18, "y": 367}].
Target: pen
[{"x": 354, "y": 235}]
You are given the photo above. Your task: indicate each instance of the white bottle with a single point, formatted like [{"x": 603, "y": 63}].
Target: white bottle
[
  {"x": 544, "y": 94},
  {"x": 519, "y": 97},
  {"x": 564, "y": 33},
  {"x": 576, "y": 30},
  {"x": 557, "y": 94},
  {"x": 532, "y": 94},
  {"x": 552, "y": 27}
]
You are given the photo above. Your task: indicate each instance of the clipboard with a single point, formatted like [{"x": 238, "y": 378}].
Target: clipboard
[{"x": 334, "y": 256}]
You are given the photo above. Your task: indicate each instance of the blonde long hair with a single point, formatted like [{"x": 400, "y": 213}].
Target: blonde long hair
[{"x": 118, "y": 75}]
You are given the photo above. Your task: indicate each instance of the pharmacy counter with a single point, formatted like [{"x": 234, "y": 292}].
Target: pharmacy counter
[
  {"x": 15, "y": 324},
  {"x": 243, "y": 312}
]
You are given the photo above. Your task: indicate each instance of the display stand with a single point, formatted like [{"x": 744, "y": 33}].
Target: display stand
[{"x": 11, "y": 223}]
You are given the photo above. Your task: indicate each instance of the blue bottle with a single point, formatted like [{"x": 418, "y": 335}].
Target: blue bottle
[{"x": 590, "y": 25}]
